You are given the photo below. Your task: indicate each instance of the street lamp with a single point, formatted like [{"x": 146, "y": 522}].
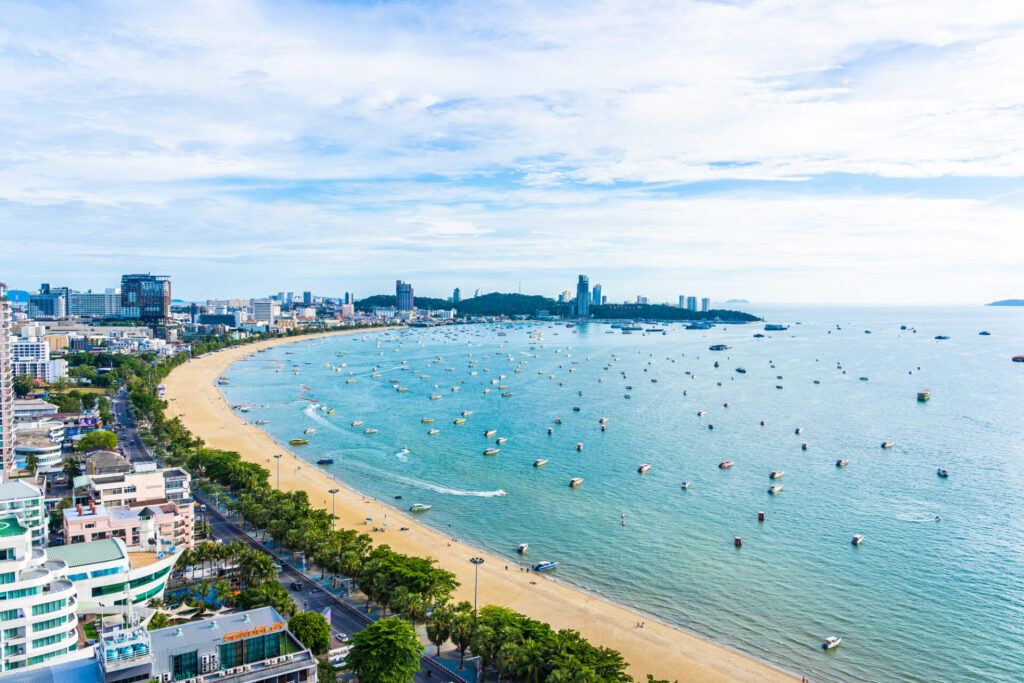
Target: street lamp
[
  {"x": 278, "y": 459},
  {"x": 332, "y": 492},
  {"x": 477, "y": 561}
]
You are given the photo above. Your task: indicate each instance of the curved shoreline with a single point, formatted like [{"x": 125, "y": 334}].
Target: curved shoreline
[{"x": 659, "y": 649}]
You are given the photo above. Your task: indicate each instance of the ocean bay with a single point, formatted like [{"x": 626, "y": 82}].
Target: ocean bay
[{"x": 956, "y": 583}]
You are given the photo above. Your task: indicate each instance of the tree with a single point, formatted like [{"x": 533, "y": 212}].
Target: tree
[
  {"x": 159, "y": 620},
  {"x": 462, "y": 634},
  {"x": 223, "y": 593},
  {"x": 485, "y": 644},
  {"x": 325, "y": 671},
  {"x": 32, "y": 462},
  {"x": 439, "y": 627},
  {"x": 70, "y": 469},
  {"x": 269, "y": 594},
  {"x": 387, "y": 651},
  {"x": 95, "y": 440},
  {"x": 22, "y": 385},
  {"x": 255, "y": 568},
  {"x": 312, "y": 630}
]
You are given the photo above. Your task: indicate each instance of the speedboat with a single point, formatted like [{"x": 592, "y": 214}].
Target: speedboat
[
  {"x": 500, "y": 440},
  {"x": 420, "y": 507},
  {"x": 842, "y": 463},
  {"x": 490, "y": 432},
  {"x": 942, "y": 472},
  {"x": 579, "y": 446},
  {"x": 1018, "y": 359},
  {"x": 643, "y": 469},
  {"x": 357, "y": 423},
  {"x": 742, "y": 371},
  {"x": 434, "y": 431},
  {"x": 575, "y": 481},
  {"x": 325, "y": 461},
  {"x": 492, "y": 451},
  {"x": 369, "y": 431},
  {"x": 776, "y": 474},
  {"x": 831, "y": 642},
  {"x": 460, "y": 421},
  {"x": 941, "y": 336},
  {"x": 775, "y": 488},
  {"x": 857, "y": 539},
  {"x": 540, "y": 462},
  {"x": 719, "y": 347},
  {"x": 544, "y": 566},
  {"x": 467, "y": 413},
  {"x": 522, "y": 548},
  {"x": 985, "y": 333},
  {"x": 725, "y": 464},
  {"x": 685, "y": 485},
  {"x": 427, "y": 420},
  {"x": 298, "y": 442},
  {"x": 924, "y": 395},
  {"x": 309, "y": 430},
  {"x": 435, "y": 397},
  {"x": 888, "y": 444}
]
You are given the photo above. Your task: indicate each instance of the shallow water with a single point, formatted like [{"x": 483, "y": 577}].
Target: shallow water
[{"x": 920, "y": 600}]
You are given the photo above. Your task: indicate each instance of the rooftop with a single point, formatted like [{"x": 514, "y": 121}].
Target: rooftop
[
  {"x": 82, "y": 670},
  {"x": 208, "y": 631},
  {"x": 16, "y": 490},
  {"x": 142, "y": 559},
  {"x": 71, "y": 514},
  {"x": 9, "y": 526},
  {"x": 93, "y": 552},
  {"x": 33, "y": 404}
]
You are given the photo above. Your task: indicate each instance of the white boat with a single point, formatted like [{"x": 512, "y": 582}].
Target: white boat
[
  {"x": 357, "y": 423},
  {"x": 775, "y": 488},
  {"x": 309, "y": 430},
  {"x": 522, "y": 548},
  {"x": 857, "y": 539},
  {"x": 433, "y": 431},
  {"x": 492, "y": 451},
  {"x": 685, "y": 485},
  {"x": 831, "y": 642},
  {"x": 420, "y": 507},
  {"x": 776, "y": 474},
  {"x": 369, "y": 431},
  {"x": 500, "y": 440},
  {"x": 575, "y": 481},
  {"x": 942, "y": 472},
  {"x": 643, "y": 469},
  {"x": 540, "y": 462}
]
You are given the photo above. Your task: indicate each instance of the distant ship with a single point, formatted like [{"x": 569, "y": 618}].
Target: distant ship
[
  {"x": 775, "y": 327},
  {"x": 719, "y": 347}
]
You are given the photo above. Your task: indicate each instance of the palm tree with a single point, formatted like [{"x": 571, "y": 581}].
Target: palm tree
[
  {"x": 159, "y": 620},
  {"x": 223, "y": 593},
  {"x": 156, "y": 603},
  {"x": 508, "y": 655},
  {"x": 32, "y": 462},
  {"x": 531, "y": 662},
  {"x": 462, "y": 635},
  {"x": 485, "y": 644},
  {"x": 254, "y": 568},
  {"x": 439, "y": 627}
]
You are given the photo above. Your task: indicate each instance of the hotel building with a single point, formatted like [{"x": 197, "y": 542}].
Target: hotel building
[{"x": 6, "y": 387}]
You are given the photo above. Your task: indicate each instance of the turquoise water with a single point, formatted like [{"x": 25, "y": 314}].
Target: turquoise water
[{"x": 920, "y": 600}]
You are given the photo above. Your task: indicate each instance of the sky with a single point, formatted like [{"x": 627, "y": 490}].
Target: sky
[{"x": 827, "y": 151}]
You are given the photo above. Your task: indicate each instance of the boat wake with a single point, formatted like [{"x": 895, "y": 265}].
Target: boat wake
[
  {"x": 312, "y": 412},
  {"x": 448, "y": 491}
]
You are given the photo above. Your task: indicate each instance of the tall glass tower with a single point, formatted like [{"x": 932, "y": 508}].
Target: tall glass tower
[{"x": 583, "y": 297}]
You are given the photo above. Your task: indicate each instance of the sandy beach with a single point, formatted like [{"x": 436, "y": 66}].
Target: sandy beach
[{"x": 658, "y": 649}]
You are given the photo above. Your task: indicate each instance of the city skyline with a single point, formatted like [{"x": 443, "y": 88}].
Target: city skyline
[{"x": 825, "y": 153}]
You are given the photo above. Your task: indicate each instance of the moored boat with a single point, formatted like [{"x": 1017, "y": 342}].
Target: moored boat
[
  {"x": 500, "y": 440},
  {"x": 776, "y": 474},
  {"x": 857, "y": 539},
  {"x": 427, "y": 420},
  {"x": 298, "y": 442},
  {"x": 433, "y": 431},
  {"x": 942, "y": 472},
  {"x": 544, "y": 566},
  {"x": 490, "y": 432},
  {"x": 492, "y": 451},
  {"x": 775, "y": 488},
  {"x": 309, "y": 430},
  {"x": 685, "y": 485},
  {"x": 420, "y": 507},
  {"x": 369, "y": 431},
  {"x": 924, "y": 395},
  {"x": 522, "y": 548},
  {"x": 460, "y": 421},
  {"x": 643, "y": 469},
  {"x": 888, "y": 444},
  {"x": 725, "y": 464},
  {"x": 325, "y": 461},
  {"x": 467, "y": 413},
  {"x": 843, "y": 462},
  {"x": 719, "y": 347},
  {"x": 540, "y": 462},
  {"x": 831, "y": 642},
  {"x": 357, "y": 423},
  {"x": 575, "y": 481}
]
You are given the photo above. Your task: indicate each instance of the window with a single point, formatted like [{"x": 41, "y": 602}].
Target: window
[
  {"x": 128, "y": 489},
  {"x": 48, "y": 640},
  {"x": 48, "y": 624},
  {"x": 107, "y": 590},
  {"x": 184, "y": 666},
  {"x": 142, "y": 581},
  {"x": 48, "y": 607},
  {"x": 231, "y": 655},
  {"x": 10, "y": 633},
  {"x": 9, "y": 614},
  {"x": 7, "y": 577},
  {"x": 11, "y": 595}
]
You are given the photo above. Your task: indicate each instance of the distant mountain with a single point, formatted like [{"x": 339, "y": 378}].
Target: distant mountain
[
  {"x": 1007, "y": 302},
  {"x": 737, "y": 301}
]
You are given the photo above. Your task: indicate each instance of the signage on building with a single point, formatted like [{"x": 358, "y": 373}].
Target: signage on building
[{"x": 257, "y": 631}]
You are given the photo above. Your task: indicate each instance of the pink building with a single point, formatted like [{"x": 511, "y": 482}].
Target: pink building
[{"x": 152, "y": 526}]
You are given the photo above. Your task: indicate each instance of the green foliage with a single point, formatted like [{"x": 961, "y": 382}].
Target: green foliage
[
  {"x": 57, "y": 516},
  {"x": 270, "y": 593},
  {"x": 312, "y": 630},
  {"x": 664, "y": 312},
  {"x": 439, "y": 627},
  {"x": 66, "y": 403},
  {"x": 70, "y": 469},
  {"x": 32, "y": 462},
  {"x": 651, "y": 679},
  {"x": 159, "y": 620},
  {"x": 509, "y": 304},
  {"x": 387, "y": 651},
  {"x": 325, "y": 671},
  {"x": 256, "y": 568},
  {"x": 22, "y": 385},
  {"x": 388, "y": 300},
  {"x": 95, "y": 440}
]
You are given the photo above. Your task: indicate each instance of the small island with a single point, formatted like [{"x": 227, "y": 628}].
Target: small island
[{"x": 1007, "y": 302}]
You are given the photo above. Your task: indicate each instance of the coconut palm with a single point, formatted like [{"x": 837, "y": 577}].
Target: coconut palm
[{"x": 439, "y": 627}]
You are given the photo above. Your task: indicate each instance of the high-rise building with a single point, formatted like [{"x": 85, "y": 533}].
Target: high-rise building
[
  {"x": 478, "y": 293},
  {"x": 583, "y": 296},
  {"x": 106, "y": 304},
  {"x": 641, "y": 299},
  {"x": 565, "y": 297},
  {"x": 596, "y": 298},
  {"x": 403, "y": 296},
  {"x": 705, "y": 304},
  {"x": 691, "y": 303},
  {"x": 146, "y": 297},
  {"x": 6, "y": 387},
  {"x": 604, "y": 299},
  {"x": 307, "y": 298},
  {"x": 265, "y": 310},
  {"x": 47, "y": 306},
  {"x": 456, "y": 296},
  {"x": 682, "y": 301}
]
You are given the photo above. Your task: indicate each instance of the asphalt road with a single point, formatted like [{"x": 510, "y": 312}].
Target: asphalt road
[{"x": 128, "y": 438}]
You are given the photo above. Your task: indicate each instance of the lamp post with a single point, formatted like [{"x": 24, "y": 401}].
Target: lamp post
[
  {"x": 332, "y": 492},
  {"x": 477, "y": 561},
  {"x": 278, "y": 459}
]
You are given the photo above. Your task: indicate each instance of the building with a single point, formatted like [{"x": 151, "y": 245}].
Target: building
[
  {"x": 24, "y": 501},
  {"x": 46, "y": 306},
  {"x": 565, "y": 297},
  {"x": 456, "y": 296},
  {"x": 403, "y": 296},
  {"x": 32, "y": 357},
  {"x": 171, "y": 484},
  {"x": 691, "y": 303},
  {"x": 31, "y": 409},
  {"x": 146, "y": 298},
  {"x": 37, "y": 600},
  {"x": 705, "y": 305},
  {"x": 44, "y": 440},
  {"x": 6, "y": 387},
  {"x": 641, "y": 299},
  {"x": 156, "y": 526},
  {"x": 244, "y": 647},
  {"x": 106, "y": 462},
  {"x": 595, "y": 299},
  {"x": 105, "y": 573},
  {"x": 106, "y": 304},
  {"x": 265, "y": 310},
  {"x": 682, "y": 301},
  {"x": 307, "y": 298},
  {"x": 583, "y": 296}
]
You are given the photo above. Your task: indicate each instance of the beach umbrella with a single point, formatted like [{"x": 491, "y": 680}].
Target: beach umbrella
[{"x": 369, "y": 519}]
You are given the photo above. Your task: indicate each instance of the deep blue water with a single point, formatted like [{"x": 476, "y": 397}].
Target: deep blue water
[{"x": 920, "y": 600}]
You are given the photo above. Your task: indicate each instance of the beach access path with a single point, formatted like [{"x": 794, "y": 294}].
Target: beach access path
[{"x": 658, "y": 649}]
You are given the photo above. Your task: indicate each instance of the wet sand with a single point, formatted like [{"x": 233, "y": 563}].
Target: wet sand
[{"x": 658, "y": 649}]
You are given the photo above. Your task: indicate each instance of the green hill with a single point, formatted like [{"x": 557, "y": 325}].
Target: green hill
[
  {"x": 662, "y": 312},
  {"x": 509, "y": 304}
]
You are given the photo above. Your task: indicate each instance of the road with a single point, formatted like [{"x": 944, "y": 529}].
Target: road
[{"x": 129, "y": 438}]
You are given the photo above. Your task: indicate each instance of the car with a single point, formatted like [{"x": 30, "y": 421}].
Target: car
[
  {"x": 277, "y": 567},
  {"x": 296, "y": 585}
]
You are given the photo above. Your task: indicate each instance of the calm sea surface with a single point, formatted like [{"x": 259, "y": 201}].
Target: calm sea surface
[{"x": 919, "y": 600}]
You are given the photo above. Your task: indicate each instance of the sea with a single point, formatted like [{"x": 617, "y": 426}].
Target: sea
[{"x": 935, "y": 592}]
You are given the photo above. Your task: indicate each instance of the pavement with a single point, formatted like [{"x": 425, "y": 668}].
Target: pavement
[{"x": 128, "y": 438}]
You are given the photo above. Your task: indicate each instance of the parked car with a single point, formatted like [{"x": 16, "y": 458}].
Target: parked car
[{"x": 296, "y": 585}]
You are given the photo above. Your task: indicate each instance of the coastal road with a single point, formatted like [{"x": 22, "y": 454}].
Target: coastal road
[
  {"x": 128, "y": 439},
  {"x": 345, "y": 620}
]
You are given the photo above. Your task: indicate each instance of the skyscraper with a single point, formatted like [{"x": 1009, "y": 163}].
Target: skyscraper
[
  {"x": 691, "y": 303},
  {"x": 146, "y": 298},
  {"x": 456, "y": 296},
  {"x": 6, "y": 387},
  {"x": 478, "y": 292},
  {"x": 682, "y": 301},
  {"x": 595, "y": 300},
  {"x": 403, "y": 296},
  {"x": 307, "y": 298},
  {"x": 705, "y": 304},
  {"x": 583, "y": 297}
]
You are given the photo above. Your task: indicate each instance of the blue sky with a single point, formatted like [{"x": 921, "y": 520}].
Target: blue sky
[{"x": 777, "y": 151}]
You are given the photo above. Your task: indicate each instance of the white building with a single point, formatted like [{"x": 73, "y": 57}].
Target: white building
[
  {"x": 6, "y": 387},
  {"x": 44, "y": 439},
  {"x": 31, "y": 409},
  {"x": 95, "y": 305},
  {"x": 265, "y": 311},
  {"x": 37, "y": 601},
  {"x": 24, "y": 502},
  {"x": 31, "y": 357}
]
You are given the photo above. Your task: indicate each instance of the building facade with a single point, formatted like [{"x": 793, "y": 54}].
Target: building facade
[
  {"x": 705, "y": 305},
  {"x": 31, "y": 357},
  {"x": 24, "y": 502},
  {"x": 37, "y": 601},
  {"x": 583, "y": 296},
  {"x": 403, "y": 296},
  {"x": 265, "y": 310},
  {"x": 456, "y": 296},
  {"x": 146, "y": 297},
  {"x": 46, "y": 306},
  {"x": 106, "y": 304},
  {"x": 595, "y": 299},
  {"x": 42, "y": 439},
  {"x": 691, "y": 303},
  {"x": 6, "y": 387}
]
